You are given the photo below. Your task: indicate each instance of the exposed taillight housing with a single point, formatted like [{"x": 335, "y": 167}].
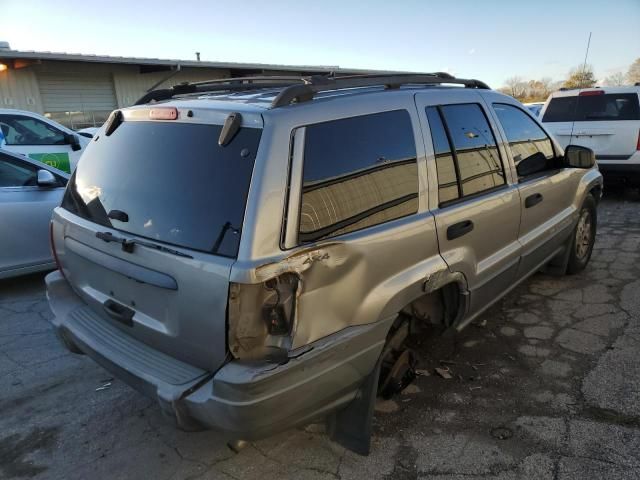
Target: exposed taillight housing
[
  {"x": 261, "y": 317},
  {"x": 638, "y": 144},
  {"x": 52, "y": 244},
  {"x": 278, "y": 311}
]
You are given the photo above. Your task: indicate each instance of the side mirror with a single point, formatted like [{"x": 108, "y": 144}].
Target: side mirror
[
  {"x": 576, "y": 156},
  {"x": 73, "y": 140},
  {"x": 46, "y": 178},
  {"x": 532, "y": 164}
]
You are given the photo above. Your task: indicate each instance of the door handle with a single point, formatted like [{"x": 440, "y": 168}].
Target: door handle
[
  {"x": 533, "y": 200},
  {"x": 459, "y": 229},
  {"x": 119, "y": 312}
]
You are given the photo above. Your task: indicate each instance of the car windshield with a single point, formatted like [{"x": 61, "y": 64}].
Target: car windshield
[
  {"x": 589, "y": 108},
  {"x": 167, "y": 181}
]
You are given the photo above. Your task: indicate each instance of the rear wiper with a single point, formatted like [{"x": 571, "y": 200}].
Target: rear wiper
[{"x": 129, "y": 243}]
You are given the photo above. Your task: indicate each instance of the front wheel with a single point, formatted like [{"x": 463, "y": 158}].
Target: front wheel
[{"x": 584, "y": 236}]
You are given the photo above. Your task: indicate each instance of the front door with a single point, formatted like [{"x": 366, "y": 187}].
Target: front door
[
  {"x": 477, "y": 210},
  {"x": 25, "y": 213},
  {"x": 548, "y": 194}
]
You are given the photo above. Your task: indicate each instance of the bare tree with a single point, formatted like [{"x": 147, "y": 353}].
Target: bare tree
[
  {"x": 615, "y": 80},
  {"x": 517, "y": 87},
  {"x": 633, "y": 75}
]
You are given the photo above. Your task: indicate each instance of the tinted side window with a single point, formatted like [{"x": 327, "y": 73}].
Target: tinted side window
[
  {"x": 358, "y": 172},
  {"x": 20, "y": 130},
  {"x": 14, "y": 173},
  {"x": 526, "y": 138},
  {"x": 593, "y": 108},
  {"x": 560, "y": 109},
  {"x": 475, "y": 146},
  {"x": 445, "y": 166}
]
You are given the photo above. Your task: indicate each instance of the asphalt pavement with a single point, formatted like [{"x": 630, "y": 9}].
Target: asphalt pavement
[{"x": 546, "y": 385}]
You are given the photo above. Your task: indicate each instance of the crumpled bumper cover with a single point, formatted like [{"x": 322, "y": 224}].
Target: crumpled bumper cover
[{"x": 245, "y": 400}]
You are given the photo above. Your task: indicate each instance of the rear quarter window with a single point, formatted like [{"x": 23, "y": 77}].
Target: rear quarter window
[{"x": 358, "y": 172}]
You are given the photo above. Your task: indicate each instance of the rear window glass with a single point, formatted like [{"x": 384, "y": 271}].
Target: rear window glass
[
  {"x": 590, "y": 108},
  {"x": 173, "y": 180}
]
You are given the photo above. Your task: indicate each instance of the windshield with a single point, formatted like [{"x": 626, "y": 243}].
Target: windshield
[{"x": 167, "y": 181}]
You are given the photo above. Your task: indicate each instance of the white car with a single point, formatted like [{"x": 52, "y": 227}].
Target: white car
[
  {"x": 606, "y": 120},
  {"x": 534, "y": 107},
  {"x": 88, "y": 132},
  {"x": 40, "y": 139}
]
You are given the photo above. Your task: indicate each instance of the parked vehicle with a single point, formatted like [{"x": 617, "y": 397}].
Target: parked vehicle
[
  {"x": 41, "y": 139},
  {"x": 607, "y": 120},
  {"x": 29, "y": 191},
  {"x": 269, "y": 277},
  {"x": 88, "y": 132},
  {"x": 534, "y": 107}
]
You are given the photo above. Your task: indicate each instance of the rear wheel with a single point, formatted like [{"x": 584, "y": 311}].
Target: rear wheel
[{"x": 584, "y": 237}]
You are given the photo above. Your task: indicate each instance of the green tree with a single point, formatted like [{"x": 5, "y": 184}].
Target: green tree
[
  {"x": 633, "y": 75},
  {"x": 580, "y": 77}
]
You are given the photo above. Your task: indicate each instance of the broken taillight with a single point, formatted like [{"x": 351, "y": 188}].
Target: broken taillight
[
  {"x": 261, "y": 316},
  {"x": 278, "y": 313}
]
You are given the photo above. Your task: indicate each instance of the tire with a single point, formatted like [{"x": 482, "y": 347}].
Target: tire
[{"x": 583, "y": 237}]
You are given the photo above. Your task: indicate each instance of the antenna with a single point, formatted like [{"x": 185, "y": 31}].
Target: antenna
[
  {"x": 584, "y": 65},
  {"x": 580, "y": 85}
]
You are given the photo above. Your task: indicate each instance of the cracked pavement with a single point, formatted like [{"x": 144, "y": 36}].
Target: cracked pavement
[{"x": 545, "y": 385}]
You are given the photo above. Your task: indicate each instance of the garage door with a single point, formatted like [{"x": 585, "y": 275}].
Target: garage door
[{"x": 77, "y": 100}]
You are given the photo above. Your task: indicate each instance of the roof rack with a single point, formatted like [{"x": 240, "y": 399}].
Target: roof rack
[
  {"x": 301, "y": 89},
  {"x": 306, "y": 91},
  {"x": 221, "y": 85}
]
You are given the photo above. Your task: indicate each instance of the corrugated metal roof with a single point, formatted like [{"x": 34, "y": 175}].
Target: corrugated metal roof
[{"x": 78, "y": 57}]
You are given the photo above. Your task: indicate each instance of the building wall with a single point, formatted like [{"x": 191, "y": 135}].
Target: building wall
[
  {"x": 130, "y": 85},
  {"x": 19, "y": 88}
]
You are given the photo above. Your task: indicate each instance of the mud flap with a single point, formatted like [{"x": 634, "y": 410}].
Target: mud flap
[
  {"x": 557, "y": 266},
  {"x": 351, "y": 427}
]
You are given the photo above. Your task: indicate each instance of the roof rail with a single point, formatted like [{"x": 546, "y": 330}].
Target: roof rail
[
  {"x": 301, "y": 89},
  {"x": 221, "y": 84},
  {"x": 306, "y": 91}
]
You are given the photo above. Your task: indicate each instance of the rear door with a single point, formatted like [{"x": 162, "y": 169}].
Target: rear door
[
  {"x": 607, "y": 121},
  {"x": 547, "y": 194},
  {"x": 150, "y": 227},
  {"x": 25, "y": 213},
  {"x": 478, "y": 209}
]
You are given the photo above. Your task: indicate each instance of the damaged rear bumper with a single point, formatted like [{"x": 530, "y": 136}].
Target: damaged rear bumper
[{"x": 245, "y": 400}]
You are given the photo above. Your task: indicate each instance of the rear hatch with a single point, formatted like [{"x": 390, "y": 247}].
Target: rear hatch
[
  {"x": 150, "y": 226},
  {"x": 606, "y": 122}
]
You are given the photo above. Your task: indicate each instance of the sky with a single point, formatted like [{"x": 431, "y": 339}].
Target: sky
[{"x": 488, "y": 40}]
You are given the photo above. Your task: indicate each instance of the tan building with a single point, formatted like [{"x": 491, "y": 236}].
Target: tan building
[{"x": 81, "y": 90}]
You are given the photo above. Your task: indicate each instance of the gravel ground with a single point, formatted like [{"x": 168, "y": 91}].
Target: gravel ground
[{"x": 546, "y": 385}]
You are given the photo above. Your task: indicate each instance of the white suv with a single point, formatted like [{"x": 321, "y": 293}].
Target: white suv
[{"x": 606, "y": 120}]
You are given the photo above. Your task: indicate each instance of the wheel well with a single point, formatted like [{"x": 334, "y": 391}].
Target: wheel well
[
  {"x": 596, "y": 192},
  {"x": 440, "y": 307}
]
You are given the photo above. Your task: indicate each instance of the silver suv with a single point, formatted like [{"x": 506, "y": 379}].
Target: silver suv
[{"x": 254, "y": 252}]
